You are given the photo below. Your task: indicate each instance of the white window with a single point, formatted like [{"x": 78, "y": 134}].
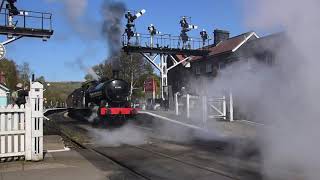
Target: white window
[
  {"x": 208, "y": 68},
  {"x": 198, "y": 70}
]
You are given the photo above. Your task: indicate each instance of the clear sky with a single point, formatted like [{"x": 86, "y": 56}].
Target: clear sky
[{"x": 77, "y": 30}]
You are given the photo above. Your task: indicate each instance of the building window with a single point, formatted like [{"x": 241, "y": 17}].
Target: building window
[
  {"x": 208, "y": 68},
  {"x": 198, "y": 70},
  {"x": 222, "y": 65}
]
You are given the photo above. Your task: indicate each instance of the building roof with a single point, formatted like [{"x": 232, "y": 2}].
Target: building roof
[
  {"x": 227, "y": 46},
  {"x": 231, "y": 44},
  {"x": 4, "y": 87}
]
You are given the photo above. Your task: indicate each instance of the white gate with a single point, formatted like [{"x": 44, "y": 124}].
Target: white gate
[
  {"x": 211, "y": 107},
  {"x": 217, "y": 107},
  {"x": 21, "y": 128},
  {"x": 12, "y": 131}
]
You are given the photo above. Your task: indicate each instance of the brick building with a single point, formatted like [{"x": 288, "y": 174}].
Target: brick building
[{"x": 223, "y": 52}]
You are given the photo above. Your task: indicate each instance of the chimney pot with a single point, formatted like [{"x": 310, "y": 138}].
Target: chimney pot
[{"x": 220, "y": 35}]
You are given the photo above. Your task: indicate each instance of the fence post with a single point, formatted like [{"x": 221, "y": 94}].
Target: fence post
[
  {"x": 204, "y": 111},
  {"x": 188, "y": 105},
  {"x": 224, "y": 107},
  {"x": 28, "y": 140},
  {"x": 36, "y": 105},
  {"x": 176, "y": 103},
  {"x": 231, "y": 107}
]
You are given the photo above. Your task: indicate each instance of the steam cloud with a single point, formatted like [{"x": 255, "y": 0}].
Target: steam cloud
[
  {"x": 113, "y": 12},
  {"x": 86, "y": 69},
  {"x": 75, "y": 11},
  {"x": 127, "y": 134},
  {"x": 286, "y": 95}
]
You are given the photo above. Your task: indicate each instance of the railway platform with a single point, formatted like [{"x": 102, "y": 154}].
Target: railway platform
[
  {"x": 59, "y": 163},
  {"x": 237, "y": 129}
]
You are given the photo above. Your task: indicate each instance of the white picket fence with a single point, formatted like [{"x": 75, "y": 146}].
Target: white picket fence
[{"x": 21, "y": 128}]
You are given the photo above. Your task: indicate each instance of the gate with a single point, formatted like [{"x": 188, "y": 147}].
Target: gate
[
  {"x": 21, "y": 128},
  {"x": 211, "y": 107},
  {"x": 12, "y": 131},
  {"x": 217, "y": 107}
]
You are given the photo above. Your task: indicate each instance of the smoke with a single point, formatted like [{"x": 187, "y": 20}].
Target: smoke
[
  {"x": 127, "y": 134},
  {"x": 284, "y": 96},
  {"x": 114, "y": 136},
  {"x": 93, "y": 115},
  {"x": 113, "y": 12},
  {"x": 75, "y": 12},
  {"x": 87, "y": 69},
  {"x": 79, "y": 62}
]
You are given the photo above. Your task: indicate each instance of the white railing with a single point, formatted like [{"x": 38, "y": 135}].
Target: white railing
[
  {"x": 21, "y": 128},
  {"x": 211, "y": 107}
]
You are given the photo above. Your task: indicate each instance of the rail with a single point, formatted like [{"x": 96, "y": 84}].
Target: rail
[{"x": 166, "y": 41}]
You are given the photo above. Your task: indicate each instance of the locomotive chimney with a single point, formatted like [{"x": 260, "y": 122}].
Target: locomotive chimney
[{"x": 115, "y": 73}]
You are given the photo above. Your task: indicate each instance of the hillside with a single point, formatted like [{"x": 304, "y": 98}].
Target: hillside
[{"x": 59, "y": 91}]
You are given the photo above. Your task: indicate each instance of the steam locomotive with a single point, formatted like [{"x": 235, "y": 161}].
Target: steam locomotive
[{"x": 108, "y": 98}]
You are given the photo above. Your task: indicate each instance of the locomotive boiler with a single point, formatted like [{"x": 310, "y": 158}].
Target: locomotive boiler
[{"x": 110, "y": 97}]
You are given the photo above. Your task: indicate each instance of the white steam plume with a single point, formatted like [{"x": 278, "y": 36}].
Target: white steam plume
[
  {"x": 127, "y": 134},
  {"x": 284, "y": 96},
  {"x": 74, "y": 8},
  {"x": 81, "y": 23},
  {"x": 87, "y": 69}
]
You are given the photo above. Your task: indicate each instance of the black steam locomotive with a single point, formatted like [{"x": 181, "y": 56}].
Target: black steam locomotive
[{"x": 109, "y": 96}]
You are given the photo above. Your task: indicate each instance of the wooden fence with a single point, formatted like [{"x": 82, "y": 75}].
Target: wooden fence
[{"x": 21, "y": 128}]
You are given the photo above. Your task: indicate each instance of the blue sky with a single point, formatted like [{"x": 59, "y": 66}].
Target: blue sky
[{"x": 55, "y": 59}]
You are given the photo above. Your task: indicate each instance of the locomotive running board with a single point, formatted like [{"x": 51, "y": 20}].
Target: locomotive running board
[{"x": 172, "y": 121}]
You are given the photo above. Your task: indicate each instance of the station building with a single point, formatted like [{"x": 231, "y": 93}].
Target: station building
[{"x": 225, "y": 50}]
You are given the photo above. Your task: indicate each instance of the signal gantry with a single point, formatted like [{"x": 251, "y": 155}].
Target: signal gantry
[
  {"x": 21, "y": 23},
  {"x": 156, "y": 46}
]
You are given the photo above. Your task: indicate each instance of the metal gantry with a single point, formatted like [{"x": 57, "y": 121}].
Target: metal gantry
[
  {"x": 163, "y": 46},
  {"x": 16, "y": 24}
]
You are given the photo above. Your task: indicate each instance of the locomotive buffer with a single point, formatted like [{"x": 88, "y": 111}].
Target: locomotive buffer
[{"x": 165, "y": 47}]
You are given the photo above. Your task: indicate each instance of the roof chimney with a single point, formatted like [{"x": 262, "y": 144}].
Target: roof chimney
[{"x": 220, "y": 35}]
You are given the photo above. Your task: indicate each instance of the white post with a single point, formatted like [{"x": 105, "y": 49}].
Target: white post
[
  {"x": 9, "y": 128},
  {"x": 15, "y": 128},
  {"x": 224, "y": 106},
  {"x": 22, "y": 127},
  {"x": 176, "y": 102},
  {"x": 164, "y": 75},
  {"x": 2, "y": 129},
  {"x": 204, "y": 111},
  {"x": 151, "y": 41},
  {"x": 231, "y": 107},
  {"x": 188, "y": 105},
  {"x": 28, "y": 140},
  {"x": 36, "y": 99}
]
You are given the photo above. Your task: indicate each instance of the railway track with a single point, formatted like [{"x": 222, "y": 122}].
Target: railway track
[
  {"x": 138, "y": 172},
  {"x": 140, "y": 175}
]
